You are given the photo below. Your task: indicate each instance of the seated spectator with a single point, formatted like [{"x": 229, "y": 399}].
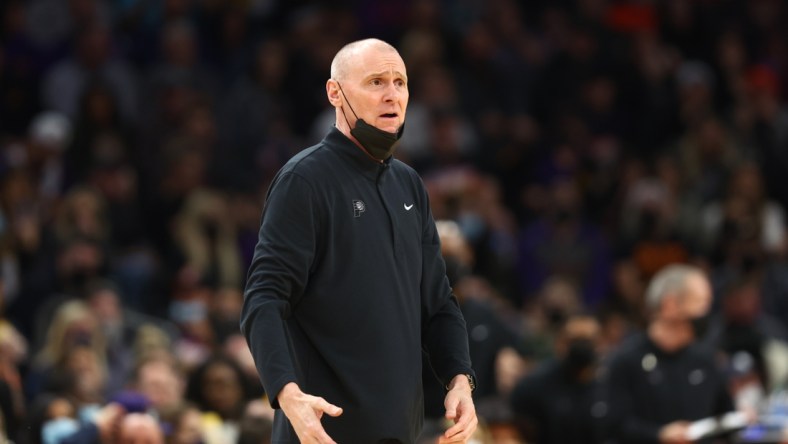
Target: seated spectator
[
  {"x": 218, "y": 388},
  {"x": 207, "y": 239},
  {"x": 745, "y": 210},
  {"x": 236, "y": 348},
  {"x": 120, "y": 327},
  {"x": 559, "y": 401},
  {"x": 73, "y": 327},
  {"x": 160, "y": 379},
  {"x": 557, "y": 301}
]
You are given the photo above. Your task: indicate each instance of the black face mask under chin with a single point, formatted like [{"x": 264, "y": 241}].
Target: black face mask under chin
[
  {"x": 700, "y": 326},
  {"x": 580, "y": 355},
  {"x": 378, "y": 143}
]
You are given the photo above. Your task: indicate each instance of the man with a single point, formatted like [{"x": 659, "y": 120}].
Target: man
[
  {"x": 161, "y": 381},
  {"x": 660, "y": 381},
  {"x": 559, "y": 402},
  {"x": 347, "y": 284}
]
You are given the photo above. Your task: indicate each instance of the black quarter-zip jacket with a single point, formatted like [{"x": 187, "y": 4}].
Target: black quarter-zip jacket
[{"x": 346, "y": 286}]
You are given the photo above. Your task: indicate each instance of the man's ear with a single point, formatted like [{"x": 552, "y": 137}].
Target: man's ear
[{"x": 333, "y": 93}]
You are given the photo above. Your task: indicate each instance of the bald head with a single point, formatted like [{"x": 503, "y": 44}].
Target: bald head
[
  {"x": 140, "y": 428},
  {"x": 345, "y": 57},
  {"x": 670, "y": 281}
]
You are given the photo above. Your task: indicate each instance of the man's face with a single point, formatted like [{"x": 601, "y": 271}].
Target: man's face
[
  {"x": 377, "y": 89},
  {"x": 160, "y": 384},
  {"x": 696, "y": 300},
  {"x": 691, "y": 303}
]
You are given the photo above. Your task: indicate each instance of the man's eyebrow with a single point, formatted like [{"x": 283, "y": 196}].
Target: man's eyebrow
[{"x": 385, "y": 73}]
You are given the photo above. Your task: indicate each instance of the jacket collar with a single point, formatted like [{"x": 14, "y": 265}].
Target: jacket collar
[{"x": 348, "y": 149}]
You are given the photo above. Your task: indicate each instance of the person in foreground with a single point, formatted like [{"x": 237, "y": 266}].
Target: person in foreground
[
  {"x": 661, "y": 381},
  {"x": 347, "y": 284}
]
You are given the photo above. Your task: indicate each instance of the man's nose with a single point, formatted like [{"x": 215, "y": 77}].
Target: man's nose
[{"x": 392, "y": 93}]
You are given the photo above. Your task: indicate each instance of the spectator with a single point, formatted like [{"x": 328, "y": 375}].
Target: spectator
[
  {"x": 161, "y": 381},
  {"x": 559, "y": 401},
  {"x": 100, "y": 134},
  {"x": 218, "y": 388},
  {"x": 745, "y": 212},
  {"x": 208, "y": 240},
  {"x": 659, "y": 381},
  {"x": 73, "y": 327}
]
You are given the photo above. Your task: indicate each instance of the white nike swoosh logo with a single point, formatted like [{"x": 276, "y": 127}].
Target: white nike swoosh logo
[{"x": 407, "y": 207}]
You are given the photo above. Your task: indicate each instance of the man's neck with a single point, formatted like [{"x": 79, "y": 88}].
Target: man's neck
[
  {"x": 669, "y": 337},
  {"x": 345, "y": 129}
]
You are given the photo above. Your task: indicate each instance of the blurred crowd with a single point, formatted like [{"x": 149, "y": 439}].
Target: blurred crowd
[{"x": 575, "y": 146}]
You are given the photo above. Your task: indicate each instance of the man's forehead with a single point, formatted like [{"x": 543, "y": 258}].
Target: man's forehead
[{"x": 376, "y": 61}]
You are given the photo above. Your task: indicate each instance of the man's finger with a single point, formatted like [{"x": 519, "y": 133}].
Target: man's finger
[
  {"x": 462, "y": 424},
  {"x": 451, "y": 407},
  {"x": 462, "y": 437},
  {"x": 334, "y": 410},
  {"x": 329, "y": 408}
]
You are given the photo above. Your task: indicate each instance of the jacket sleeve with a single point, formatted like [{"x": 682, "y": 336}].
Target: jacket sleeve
[
  {"x": 277, "y": 277},
  {"x": 444, "y": 336}
]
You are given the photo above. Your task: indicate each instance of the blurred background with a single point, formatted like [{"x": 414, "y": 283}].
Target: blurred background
[{"x": 573, "y": 148}]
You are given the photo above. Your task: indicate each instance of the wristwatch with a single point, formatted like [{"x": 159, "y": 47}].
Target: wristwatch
[{"x": 471, "y": 383}]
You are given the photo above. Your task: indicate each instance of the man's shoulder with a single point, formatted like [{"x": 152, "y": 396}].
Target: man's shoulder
[
  {"x": 306, "y": 160},
  {"x": 630, "y": 349}
]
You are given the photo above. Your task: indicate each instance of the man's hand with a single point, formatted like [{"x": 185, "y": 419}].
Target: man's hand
[
  {"x": 674, "y": 433},
  {"x": 304, "y": 412},
  {"x": 460, "y": 409}
]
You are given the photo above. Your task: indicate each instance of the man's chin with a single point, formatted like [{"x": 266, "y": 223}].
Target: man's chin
[{"x": 389, "y": 128}]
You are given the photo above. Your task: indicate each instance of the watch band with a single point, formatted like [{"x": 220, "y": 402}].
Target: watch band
[{"x": 471, "y": 383}]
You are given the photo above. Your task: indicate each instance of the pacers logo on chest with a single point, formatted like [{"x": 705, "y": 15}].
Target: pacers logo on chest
[{"x": 358, "y": 207}]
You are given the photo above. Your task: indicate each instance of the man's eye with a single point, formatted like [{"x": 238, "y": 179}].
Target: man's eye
[{"x": 376, "y": 82}]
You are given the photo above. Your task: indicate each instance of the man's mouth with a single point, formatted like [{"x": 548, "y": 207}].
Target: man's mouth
[{"x": 389, "y": 115}]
